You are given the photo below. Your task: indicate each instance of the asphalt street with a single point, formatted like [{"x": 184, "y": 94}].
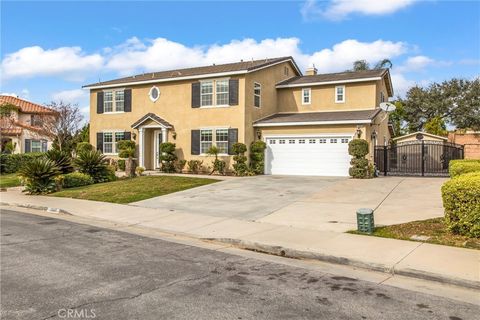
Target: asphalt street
[{"x": 55, "y": 269}]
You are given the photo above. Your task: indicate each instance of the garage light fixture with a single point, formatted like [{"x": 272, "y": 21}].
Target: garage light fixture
[{"x": 359, "y": 132}]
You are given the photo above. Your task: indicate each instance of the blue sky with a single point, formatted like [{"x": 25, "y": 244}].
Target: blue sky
[{"x": 50, "y": 49}]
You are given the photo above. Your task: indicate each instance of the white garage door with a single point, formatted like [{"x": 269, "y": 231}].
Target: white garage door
[{"x": 312, "y": 156}]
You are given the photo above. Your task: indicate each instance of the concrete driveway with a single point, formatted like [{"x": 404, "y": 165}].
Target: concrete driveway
[
  {"x": 318, "y": 203},
  {"x": 247, "y": 198},
  {"x": 394, "y": 199}
]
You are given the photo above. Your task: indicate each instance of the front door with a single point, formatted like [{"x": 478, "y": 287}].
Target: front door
[{"x": 157, "y": 140}]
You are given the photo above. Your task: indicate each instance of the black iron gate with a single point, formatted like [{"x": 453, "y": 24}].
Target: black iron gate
[{"x": 417, "y": 158}]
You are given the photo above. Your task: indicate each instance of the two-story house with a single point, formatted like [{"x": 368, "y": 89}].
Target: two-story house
[
  {"x": 306, "y": 121},
  {"x": 20, "y": 125}
]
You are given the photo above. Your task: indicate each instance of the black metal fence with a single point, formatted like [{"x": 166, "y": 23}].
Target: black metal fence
[{"x": 417, "y": 158}]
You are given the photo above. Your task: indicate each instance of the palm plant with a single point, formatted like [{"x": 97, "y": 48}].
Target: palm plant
[
  {"x": 94, "y": 164},
  {"x": 362, "y": 65},
  {"x": 38, "y": 175},
  {"x": 62, "y": 159}
]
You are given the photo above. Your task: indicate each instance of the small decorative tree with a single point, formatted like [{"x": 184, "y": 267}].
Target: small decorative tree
[
  {"x": 127, "y": 152},
  {"x": 218, "y": 165},
  {"x": 240, "y": 159},
  {"x": 257, "y": 156},
  {"x": 168, "y": 157},
  {"x": 358, "y": 149}
]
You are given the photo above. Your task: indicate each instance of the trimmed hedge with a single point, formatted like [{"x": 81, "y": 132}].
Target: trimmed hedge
[
  {"x": 76, "y": 179},
  {"x": 459, "y": 167},
  {"x": 11, "y": 163},
  {"x": 461, "y": 200}
]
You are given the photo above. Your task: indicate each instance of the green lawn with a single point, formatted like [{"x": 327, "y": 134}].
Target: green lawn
[
  {"x": 134, "y": 189},
  {"x": 9, "y": 180},
  {"x": 433, "y": 228}
]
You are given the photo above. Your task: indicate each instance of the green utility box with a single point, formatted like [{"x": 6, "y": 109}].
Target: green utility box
[{"x": 365, "y": 222}]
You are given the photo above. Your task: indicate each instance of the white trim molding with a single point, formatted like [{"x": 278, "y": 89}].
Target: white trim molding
[
  {"x": 311, "y": 123},
  {"x": 307, "y": 84}
]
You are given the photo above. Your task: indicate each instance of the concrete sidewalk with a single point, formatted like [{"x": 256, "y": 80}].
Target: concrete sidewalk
[{"x": 450, "y": 265}]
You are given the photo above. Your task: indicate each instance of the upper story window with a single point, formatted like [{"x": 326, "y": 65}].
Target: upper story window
[
  {"x": 114, "y": 101},
  {"x": 119, "y": 101},
  {"x": 306, "y": 96},
  {"x": 382, "y": 97},
  {"x": 339, "y": 94},
  {"x": 222, "y": 92},
  {"x": 35, "y": 120},
  {"x": 214, "y": 93},
  {"x": 257, "y": 94}
]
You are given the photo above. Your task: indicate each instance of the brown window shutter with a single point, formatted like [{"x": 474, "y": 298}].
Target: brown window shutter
[
  {"x": 127, "y": 96},
  {"x": 233, "y": 92},
  {"x": 195, "y": 147},
  {"x": 100, "y": 141},
  {"x": 100, "y": 102},
  {"x": 232, "y": 139},
  {"x": 196, "y": 95}
]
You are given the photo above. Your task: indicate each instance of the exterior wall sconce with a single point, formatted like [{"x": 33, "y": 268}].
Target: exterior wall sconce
[
  {"x": 374, "y": 135},
  {"x": 359, "y": 132},
  {"x": 174, "y": 135},
  {"x": 259, "y": 134},
  {"x": 134, "y": 136}
]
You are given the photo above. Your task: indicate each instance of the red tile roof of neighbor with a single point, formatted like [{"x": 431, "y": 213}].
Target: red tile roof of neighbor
[{"x": 24, "y": 105}]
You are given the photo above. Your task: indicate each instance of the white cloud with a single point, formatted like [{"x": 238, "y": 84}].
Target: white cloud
[
  {"x": 69, "y": 62},
  {"x": 74, "y": 96},
  {"x": 416, "y": 63},
  {"x": 341, "y": 56},
  {"x": 163, "y": 54},
  {"x": 340, "y": 9},
  {"x": 25, "y": 93}
]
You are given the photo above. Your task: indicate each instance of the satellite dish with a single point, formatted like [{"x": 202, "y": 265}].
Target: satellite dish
[{"x": 387, "y": 106}]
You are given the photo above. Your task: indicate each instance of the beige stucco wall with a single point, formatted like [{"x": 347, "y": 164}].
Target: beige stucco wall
[
  {"x": 173, "y": 105},
  {"x": 269, "y": 105},
  {"x": 358, "y": 96}
]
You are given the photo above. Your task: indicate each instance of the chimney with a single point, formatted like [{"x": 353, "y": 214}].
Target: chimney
[{"x": 311, "y": 71}]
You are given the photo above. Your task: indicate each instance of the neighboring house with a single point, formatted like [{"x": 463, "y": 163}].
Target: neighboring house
[
  {"x": 306, "y": 121},
  {"x": 21, "y": 125},
  {"x": 470, "y": 141}
]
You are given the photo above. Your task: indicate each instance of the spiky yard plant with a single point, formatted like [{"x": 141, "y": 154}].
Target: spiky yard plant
[
  {"x": 38, "y": 175},
  {"x": 62, "y": 159},
  {"x": 94, "y": 164}
]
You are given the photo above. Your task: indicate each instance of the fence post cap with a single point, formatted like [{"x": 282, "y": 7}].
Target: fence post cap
[{"x": 364, "y": 211}]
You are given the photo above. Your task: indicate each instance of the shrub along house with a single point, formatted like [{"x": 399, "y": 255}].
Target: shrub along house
[
  {"x": 21, "y": 125},
  {"x": 306, "y": 121}
]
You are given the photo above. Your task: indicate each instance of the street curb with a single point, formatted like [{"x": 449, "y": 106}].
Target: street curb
[
  {"x": 298, "y": 254},
  {"x": 35, "y": 207}
]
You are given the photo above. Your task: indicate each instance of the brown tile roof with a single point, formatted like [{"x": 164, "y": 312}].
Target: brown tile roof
[
  {"x": 197, "y": 71},
  {"x": 340, "y": 76},
  {"x": 12, "y": 131},
  {"x": 305, "y": 117},
  {"x": 24, "y": 105},
  {"x": 154, "y": 117}
]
